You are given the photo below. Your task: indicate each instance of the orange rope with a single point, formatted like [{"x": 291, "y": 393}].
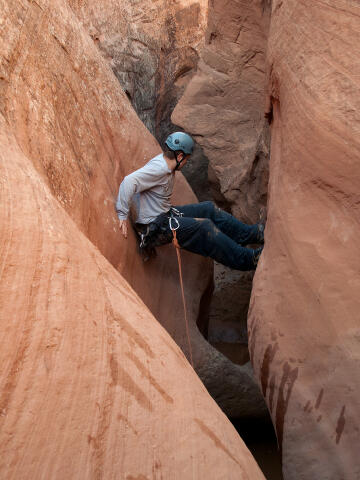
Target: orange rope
[{"x": 177, "y": 247}]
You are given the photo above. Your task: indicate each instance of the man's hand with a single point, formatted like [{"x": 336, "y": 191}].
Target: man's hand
[{"x": 124, "y": 227}]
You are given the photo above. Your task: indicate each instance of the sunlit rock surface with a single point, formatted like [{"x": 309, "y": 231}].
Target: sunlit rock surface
[{"x": 91, "y": 384}]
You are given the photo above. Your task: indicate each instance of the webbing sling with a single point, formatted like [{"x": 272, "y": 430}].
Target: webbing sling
[{"x": 177, "y": 248}]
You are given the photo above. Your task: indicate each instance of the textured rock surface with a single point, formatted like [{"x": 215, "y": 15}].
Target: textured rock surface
[
  {"x": 91, "y": 385},
  {"x": 152, "y": 48},
  {"x": 78, "y": 136},
  {"x": 223, "y": 105},
  {"x": 304, "y": 321}
]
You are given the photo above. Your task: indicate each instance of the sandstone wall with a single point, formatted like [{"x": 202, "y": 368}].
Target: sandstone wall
[
  {"x": 71, "y": 117},
  {"x": 91, "y": 385},
  {"x": 72, "y": 365},
  {"x": 153, "y": 49},
  {"x": 304, "y": 321}
]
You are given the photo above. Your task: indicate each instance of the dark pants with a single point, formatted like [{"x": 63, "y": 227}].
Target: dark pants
[{"x": 209, "y": 231}]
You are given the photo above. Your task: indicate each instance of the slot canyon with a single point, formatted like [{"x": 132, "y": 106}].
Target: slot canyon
[{"x": 96, "y": 379}]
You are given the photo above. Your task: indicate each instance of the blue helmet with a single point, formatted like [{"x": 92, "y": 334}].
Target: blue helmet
[{"x": 180, "y": 141}]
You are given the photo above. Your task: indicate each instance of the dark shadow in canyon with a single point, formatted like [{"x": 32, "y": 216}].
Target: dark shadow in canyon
[{"x": 260, "y": 439}]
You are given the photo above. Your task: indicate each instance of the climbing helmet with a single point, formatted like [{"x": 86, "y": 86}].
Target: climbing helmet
[{"x": 180, "y": 141}]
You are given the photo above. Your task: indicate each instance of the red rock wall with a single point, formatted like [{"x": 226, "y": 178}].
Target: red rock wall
[
  {"x": 71, "y": 117},
  {"x": 304, "y": 320},
  {"x": 89, "y": 379},
  {"x": 91, "y": 385}
]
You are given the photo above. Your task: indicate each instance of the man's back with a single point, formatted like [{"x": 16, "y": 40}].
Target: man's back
[{"x": 149, "y": 188}]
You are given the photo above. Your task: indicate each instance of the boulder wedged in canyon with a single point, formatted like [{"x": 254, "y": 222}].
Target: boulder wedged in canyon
[
  {"x": 91, "y": 385},
  {"x": 304, "y": 319},
  {"x": 77, "y": 136}
]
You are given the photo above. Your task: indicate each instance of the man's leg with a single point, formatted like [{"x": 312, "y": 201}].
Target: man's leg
[
  {"x": 201, "y": 236},
  {"x": 233, "y": 228}
]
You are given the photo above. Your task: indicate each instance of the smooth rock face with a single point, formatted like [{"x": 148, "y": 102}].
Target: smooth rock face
[
  {"x": 223, "y": 105},
  {"x": 304, "y": 320},
  {"x": 89, "y": 379},
  {"x": 91, "y": 384}
]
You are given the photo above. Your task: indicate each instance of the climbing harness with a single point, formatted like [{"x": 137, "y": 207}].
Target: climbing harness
[
  {"x": 156, "y": 233},
  {"x": 143, "y": 236},
  {"x": 173, "y": 219}
]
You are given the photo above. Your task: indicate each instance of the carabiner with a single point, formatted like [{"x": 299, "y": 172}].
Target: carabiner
[{"x": 177, "y": 224}]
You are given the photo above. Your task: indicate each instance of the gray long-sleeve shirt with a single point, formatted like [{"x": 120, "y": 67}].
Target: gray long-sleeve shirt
[{"x": 149, "y": 189}]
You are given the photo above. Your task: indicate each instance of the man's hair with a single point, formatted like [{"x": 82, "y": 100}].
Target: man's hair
[{"x": 168, "y": 150}]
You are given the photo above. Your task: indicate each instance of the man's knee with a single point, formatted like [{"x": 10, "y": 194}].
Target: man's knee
[
  {"x": 208, "y": 228},
  {"x": 206, "y": 223}
]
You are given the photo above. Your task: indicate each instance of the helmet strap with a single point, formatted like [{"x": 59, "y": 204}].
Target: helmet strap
[{"x": 178, "y": 164}]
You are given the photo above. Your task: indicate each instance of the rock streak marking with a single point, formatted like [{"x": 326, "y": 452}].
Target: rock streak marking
[
  {"x": 271, "y": 394},
  {"x": 127, "y": 423},
  {"x": 288, "y": 380},
  {"x": 340, "y": 425},
  {"x": 142, "y": 369},
  {"x": 138, "y": 477},
  {"x": 270, "y": 353},
  {"x": 319, "y": 399},
  {"x": 215, "y": 439},
  {"x": 121, "y": 377},
  {"x": 131, "y": 332}
]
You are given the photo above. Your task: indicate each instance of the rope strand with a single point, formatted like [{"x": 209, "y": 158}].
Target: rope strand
[{"x": 177, "y": 247}]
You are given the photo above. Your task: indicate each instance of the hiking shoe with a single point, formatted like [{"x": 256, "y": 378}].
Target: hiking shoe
[
  {"x": 261, "y": 224},
  {"x": 256, "y": 255},
  {"x": 260, "y": 234}
]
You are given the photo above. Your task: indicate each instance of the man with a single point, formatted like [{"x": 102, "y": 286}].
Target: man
[{"x": 201, "y": 228}]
